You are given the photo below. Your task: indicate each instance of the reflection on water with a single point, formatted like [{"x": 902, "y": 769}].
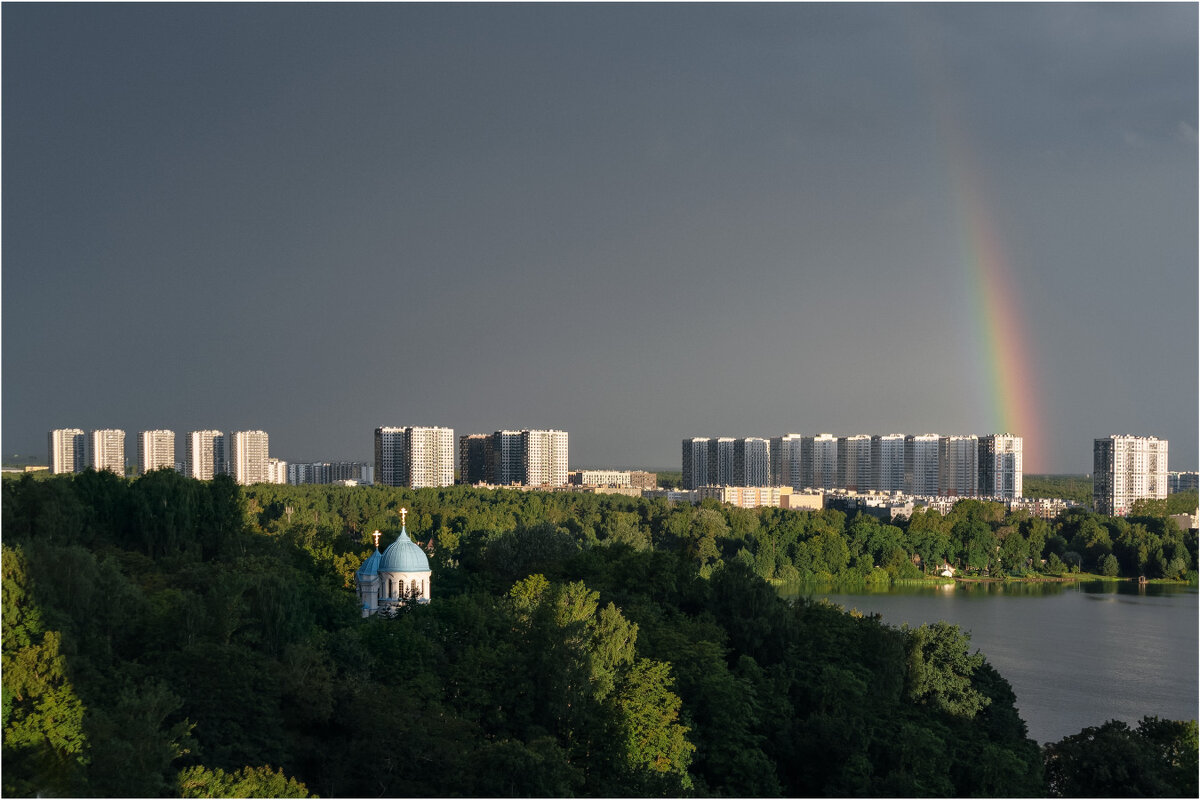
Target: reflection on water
[{"x": 1076, "y": 654}]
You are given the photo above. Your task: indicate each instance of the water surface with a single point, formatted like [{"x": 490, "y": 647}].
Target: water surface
[{"x": 1076, "y": 654}]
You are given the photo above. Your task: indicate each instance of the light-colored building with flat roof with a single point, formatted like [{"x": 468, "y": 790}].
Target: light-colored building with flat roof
[
  {"x": 921, "y": 464},
  {"x": 156, "y": 450},
  {"x": 958, "y": 466},
  {"x": 1126, "y": 469},
  {"x": 108, "y": 450},
  {"x": 249, "y": 452},
  {"x": 67, "y": 450},
  {"x": 1001, "y": 466},
  {"x": 854, "y": 463},
  {"x": 887, "y": 463},
  {"x": 205, "y": 455}
]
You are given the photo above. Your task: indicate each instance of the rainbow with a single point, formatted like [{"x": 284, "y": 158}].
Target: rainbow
[{"x": 1007, "y": 371}]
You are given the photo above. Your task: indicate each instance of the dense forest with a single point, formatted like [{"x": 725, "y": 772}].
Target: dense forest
[{"x": 170, "y": 637}]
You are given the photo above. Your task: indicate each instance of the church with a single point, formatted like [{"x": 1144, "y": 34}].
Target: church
[{"x": 397, "y": 575}]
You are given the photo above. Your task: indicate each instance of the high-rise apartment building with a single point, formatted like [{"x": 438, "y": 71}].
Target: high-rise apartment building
[
  {"x": 277, "y": 471},
  {"x": 205, "y": 455},
  {"x": 887, "y": 463},
  {"x": 248, "y": 457},
  {"x": 1182, "y": 481},
  {"x": 752, "y": 462},
  {"x": 921, "y": 464},
  {"x": 474, "y": 458},
  {"x": 787, "y": 463},
  {"x": 854, "y": 463},
  {"x": 108, "y": 450},
  {"x": 156, "y": 450},
  {"x": 695, "y": 463},
  {"x": 1001, "y": 466},
  {"x": 1125, "y": 469},
  {"x": 545, "y": 457},
  {"x": 391, "y": 464},
  {"x": 67, "y": 450},
  {"x": 508, "y": 458},
  {"x": 958, "y": 466},
  {"x": 721, "y": 461},
  {"x": 416, "y": 457},
  {"x": 819, "y": 461},
  {"x": 430, "y": 457}
]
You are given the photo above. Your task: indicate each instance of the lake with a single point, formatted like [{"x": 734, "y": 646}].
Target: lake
[{"x": 1076, "y": 654}]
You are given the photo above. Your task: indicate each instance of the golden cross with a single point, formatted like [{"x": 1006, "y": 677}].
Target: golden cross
[
  {"x": 403, "y": 514},
  {"x": 376, "y": 535}
]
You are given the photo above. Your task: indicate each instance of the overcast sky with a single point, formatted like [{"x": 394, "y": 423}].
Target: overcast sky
[{"x": 637, "y": 223}]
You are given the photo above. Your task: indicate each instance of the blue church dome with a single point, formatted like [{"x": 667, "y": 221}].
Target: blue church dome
[
  {"x": 370, "y": 566},
  {"x": 404, "y": 555}
]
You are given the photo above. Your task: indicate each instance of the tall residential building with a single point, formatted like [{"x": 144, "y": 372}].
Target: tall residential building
[
  {"x": 887, "y": 463},
  {"x": 545, "y": 458},
  {"x": 67, "y": 450},
  {"x": 156, "y": 450},
  {"x": 721, "y": 462},
  {"x": 205, "y": 455},
  {"x": 787, "y": 465},
  {"x": 1125, "y": 469},
  {"x": 695, "y": 463},
  {"x": 416, "y": 457},
  {"x": 958, "y": 466},
  {"x": 108, "y": 450},
  {"x": 430, "y": 457},
  {"x": 277, "y": 471},
  {"x": 752, "y": 462},
  {"x": 854, "y": 463},
  {"x": 819, "y": 461},
  {"x": 474, "y": 458},
  {"x": 1001, "y": 468},
  {"x": 248, "y": 457},
  {"x": 1182, "y": 481},
  {"x": 391, "y": 464},
  {"x": 508, "y": 458},
  {"x": 921, "y": 464}
]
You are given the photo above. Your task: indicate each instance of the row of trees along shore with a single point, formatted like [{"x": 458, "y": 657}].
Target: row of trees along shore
[{"x": 171, "y": 637}]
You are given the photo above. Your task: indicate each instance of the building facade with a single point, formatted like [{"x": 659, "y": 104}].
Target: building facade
[
  {"x": 205, "y": 455},
  {"x": 1001, "y": 467},
  {"x": 695, "y": 463},
  {"x": 854, "y": 463},
  {"x": 787, "y": 463},
  {"x": 108, "y": 450},
  {"x": 921, "y": 464},
  {"x": 1182, "y": 482},
  {"x": 820, "y": 464},
  {"x": 156, "y": 450},
  {"x": 430, "y": 457},
  {"x": 752, "y": 462},
  {"x": 249, "y": 453},
  {"x": 474, "y": 458},
  {"x": 67, "y": 450},
  {"x": 887, "y": 463},
  {"x": 329, "y": 472},
  {"x": 545, "y": 457},
  {"x": 1126, "y": 469},
  {"x": 958, "y": 466}
]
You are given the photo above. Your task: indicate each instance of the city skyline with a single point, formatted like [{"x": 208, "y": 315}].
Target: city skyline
[{"x": 634, "y": 223}]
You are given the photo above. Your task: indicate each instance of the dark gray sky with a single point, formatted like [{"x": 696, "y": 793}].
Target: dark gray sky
[{"x": 637, "y": 223}]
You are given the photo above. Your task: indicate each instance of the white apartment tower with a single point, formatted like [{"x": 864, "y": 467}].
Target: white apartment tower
[
  {"x": 430, "y": 457},
  {"x": 67, "y": 450},
  {"x": 1000, "y": 466},
  {"x": 721, "y": 461},
  {"x": 752, "y": 462},
  {"x": 1125, "y": 469},
  {"x": 416, "y": 457},
  {"x": 108, "y": 450},
  {"x": 204, "y": 455},
  {"x": 921, "y": 464},
  {"x": 958, "y": 466},
  {"x": 854, "y": 463},
  {"x": 156, "y": 450},
  {"x": 887, "y": 463},
  {"x": 545, "y": 458},
  {"x": 248, "y": 457}
]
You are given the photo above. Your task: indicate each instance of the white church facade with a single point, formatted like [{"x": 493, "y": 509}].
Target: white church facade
[{"x": 398, "y": 575}]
